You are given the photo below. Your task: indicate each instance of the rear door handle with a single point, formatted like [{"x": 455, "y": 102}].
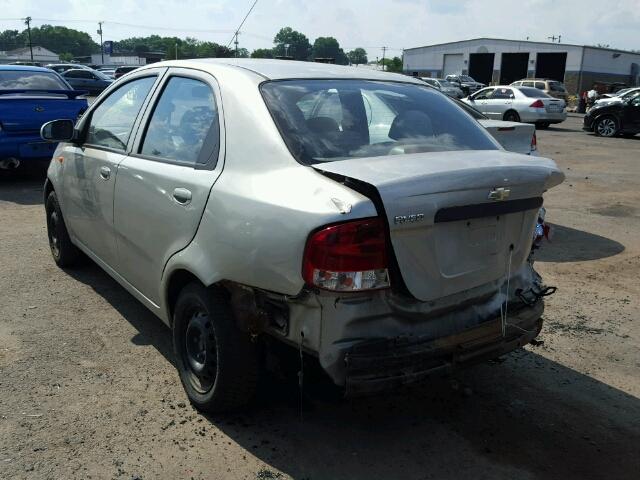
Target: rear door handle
[
  {"x": 105, "y": 173},
  {"x": 182, "y": 196}
]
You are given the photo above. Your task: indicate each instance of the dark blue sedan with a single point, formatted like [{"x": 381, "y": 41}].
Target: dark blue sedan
[
  {"x": 30, "y": 97},
  {"x": 91, "y": 81}
]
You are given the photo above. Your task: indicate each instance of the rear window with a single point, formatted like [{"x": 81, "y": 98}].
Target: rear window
[
  {"x": 556, "y": 87},
  {"x": 533, "y": 92},
  {"x": 26, "y": 80},
  {"x": 328, "y": 120}
]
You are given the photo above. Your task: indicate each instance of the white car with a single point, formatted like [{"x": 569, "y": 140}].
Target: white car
[
  {"x": 518, "y": 104},
  {"x": 360, "y": 217}
]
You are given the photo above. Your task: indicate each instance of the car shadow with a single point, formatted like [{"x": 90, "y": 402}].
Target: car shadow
[
  {"x": 22, "y": 187},
  {"x": 571, "y": 245},
  {"x": 524, "y": 417}
]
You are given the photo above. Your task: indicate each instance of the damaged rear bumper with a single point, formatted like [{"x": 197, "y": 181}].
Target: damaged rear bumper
[{"x": 379, "y": 365}]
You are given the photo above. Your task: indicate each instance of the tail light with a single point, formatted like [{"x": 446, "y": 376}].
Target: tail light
[
  {"x": 537, "y": 104},
  {"x": 534, "y": 142},
  {"x": 348, "y": 257}
]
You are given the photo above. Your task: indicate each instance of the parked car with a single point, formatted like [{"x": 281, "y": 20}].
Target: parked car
[
  {"x": 620, "y": 96},
  {"x": 467, "y": 84},
  {"x": 615, "y": 118},
  {"x": 109, "y": 72},
  {"x": 553, "y": 88},
  {"x": 445, "y": 87},
  {"x": 359, "y": 216},
  {"x": 518, "y": 104},
  {"x": 120, "y": 71},
  {"x": 513, "y": 136},
  {"x": 63, "y": 67},
  {"x": 30, "y": 97},
  {"x": 92, "y": 81}
]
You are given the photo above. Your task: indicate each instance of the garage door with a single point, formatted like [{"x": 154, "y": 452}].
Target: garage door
[{"x": 453, "y": 64}]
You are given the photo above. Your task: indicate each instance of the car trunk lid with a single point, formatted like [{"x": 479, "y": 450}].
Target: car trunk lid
[
  {"x": 26, "y": 114},
  {"x": 456, "y": 219},
  {"x": 553, "y": 105}
]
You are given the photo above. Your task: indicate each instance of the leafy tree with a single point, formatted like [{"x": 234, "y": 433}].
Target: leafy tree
[
  {"x": 55, "y": 38},
  {"x": 392, "y": 64},
  {"x": 66, "y": 57},
  {"x": 357, "y": 56},
  {"x": 328, "y": 47},
  {"x": 299, "y": 46},
  {"x": 262, "y": 53},
  {"x": 187, "y": 48},
  {"x": 242, "y": 53}
]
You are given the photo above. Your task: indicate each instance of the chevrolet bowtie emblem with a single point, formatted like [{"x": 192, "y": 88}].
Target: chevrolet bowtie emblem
[{"x": 499, "y": 194}]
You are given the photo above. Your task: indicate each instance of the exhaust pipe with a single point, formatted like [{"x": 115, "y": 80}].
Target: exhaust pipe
[{"x": 9, "y": 164}]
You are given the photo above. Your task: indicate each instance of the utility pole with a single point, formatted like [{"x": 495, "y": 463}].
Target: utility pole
[
  {"x": 384, "y": 51},
  {"x": 176, "y": 50},
  {"x": 101, "y": 43},
  {"x": 27, "y": 22},
  {"x": 236, "y": 43}
]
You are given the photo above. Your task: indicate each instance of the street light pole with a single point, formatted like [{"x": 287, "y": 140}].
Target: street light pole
[
  {"x": 101, "y": 42},
  {"x": 384, "y": 50},
  {"x": 27, "y": 22}
]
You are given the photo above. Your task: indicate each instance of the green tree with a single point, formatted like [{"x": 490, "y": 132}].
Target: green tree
[
  {"x": 66, "y": 57},
  {"x": 392, "y": 64},
  {"x": 299, "y": 46},
  {"x": 357, "y": 56},
  {"x": 262, "y": 53},
  {"x": 57, "y": 39},
  {"x": 328, "y": 47},
  {"x": 242, "y": 53}
]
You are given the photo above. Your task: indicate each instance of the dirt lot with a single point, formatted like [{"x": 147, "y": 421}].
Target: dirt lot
[{"x": 88, "y": 389}]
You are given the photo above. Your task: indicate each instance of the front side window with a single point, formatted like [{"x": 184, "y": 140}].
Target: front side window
[
  {"x": 26, "y": 80},
  {"x": 483, "y": 94},
  {"x": 183, "y": 119},
  {"x": 111, "y": 122},
  {"x": 376, "y": 119},
  {"x": 502, "y": 93}
]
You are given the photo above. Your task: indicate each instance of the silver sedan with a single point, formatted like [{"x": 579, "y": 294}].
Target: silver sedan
[
  {"x": 360, "y": 217},
  {"x": 518, "y": 104},
  {"x": 444, "y": 86}
]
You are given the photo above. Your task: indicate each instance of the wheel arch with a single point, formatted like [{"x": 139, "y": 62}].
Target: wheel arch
[
  {"x": 511, "y": 110},
  {"x": 48, "y": 188}
]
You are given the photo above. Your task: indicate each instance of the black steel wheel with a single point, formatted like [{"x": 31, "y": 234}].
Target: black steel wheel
[
  {"x": 217, "y": 362},
  {"x": 63, "y": 251}
]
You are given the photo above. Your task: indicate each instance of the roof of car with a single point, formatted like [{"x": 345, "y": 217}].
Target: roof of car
[
  {"x": 24, "y": 68},
  {"x": 289, "y": 69}
]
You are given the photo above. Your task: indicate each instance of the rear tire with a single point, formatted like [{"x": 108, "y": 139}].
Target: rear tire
[
  {"x": 217, "y": 362},
  {"x": 64, "y": 253},
  {"x": 606, "y": 127},
  {"x": 542, "y": 125},
  {"x": 511, "y": 116}
]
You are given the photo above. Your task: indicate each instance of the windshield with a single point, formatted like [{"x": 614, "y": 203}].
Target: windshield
[
  {"x": 446, "y": 84},
  {"x": 26, "y": 80},
  {"x": 533, "y": 92},
  {"x": 466, "y": 78},
  {"x": 327, "y": 120}
]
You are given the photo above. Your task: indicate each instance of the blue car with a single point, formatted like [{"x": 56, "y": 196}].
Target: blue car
[{"x": 30, "y": 97}]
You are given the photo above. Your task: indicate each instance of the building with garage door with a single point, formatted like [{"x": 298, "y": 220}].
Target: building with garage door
[{"x": 500, "y": 62}]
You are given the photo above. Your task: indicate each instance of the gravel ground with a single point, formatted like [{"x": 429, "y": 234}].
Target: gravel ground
[{"x": 88, "y": 389}]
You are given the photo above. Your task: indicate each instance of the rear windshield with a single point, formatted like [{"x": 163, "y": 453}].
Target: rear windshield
[
  {"x": 328, "y": 120},
  {"x": 533, "y": 92},
  {"x": 25, "y": 80}
]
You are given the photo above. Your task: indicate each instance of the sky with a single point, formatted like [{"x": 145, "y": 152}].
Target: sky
[{"x": 371, "y": 24}]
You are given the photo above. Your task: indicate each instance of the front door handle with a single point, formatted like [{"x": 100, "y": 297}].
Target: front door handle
[
  {"x": 182, "y": 196},
  {"x": 105, "y": 173}
]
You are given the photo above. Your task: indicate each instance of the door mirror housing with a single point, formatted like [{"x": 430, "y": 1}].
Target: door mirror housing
[{"x": 58, "y": 131}]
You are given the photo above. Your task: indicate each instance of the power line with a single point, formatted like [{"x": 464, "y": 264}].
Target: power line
[{"x": 240, "y": 26}]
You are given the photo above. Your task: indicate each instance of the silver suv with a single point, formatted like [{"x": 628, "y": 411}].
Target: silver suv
[{"x": 368, "y": 222}]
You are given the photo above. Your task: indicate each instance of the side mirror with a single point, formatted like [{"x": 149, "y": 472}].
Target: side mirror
[{"x": 57, "y": 131}]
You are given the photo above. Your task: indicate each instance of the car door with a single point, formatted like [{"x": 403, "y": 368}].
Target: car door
[
  {"x": 631, "y": 115},
  {"x": 72, "y": 79},
  {"x": 500, "y": 100},
  {"x": 163, "y": 186},
  {"x": 90, "y": 167},
  {"x": 479, "y": 99}
]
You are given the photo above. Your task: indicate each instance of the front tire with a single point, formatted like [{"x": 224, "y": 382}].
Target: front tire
[
  {"x": 217, "y": 362},
  {"x": 606, "y": 127},
  {"x": 64, "y": 253}
]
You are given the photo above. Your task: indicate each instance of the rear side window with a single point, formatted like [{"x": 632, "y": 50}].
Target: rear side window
[
  {"x": 25, "y": 80},
  {"x": 183, "y": 120},
  {"x": 556, "y": 87},
  {"x": 365, "y": 118},
  {"x": 111, "y": 122},
  {"x": 530, "y": 84},
  {"x": 538, "y": 85},
  {"x": 533, "y": 92}
]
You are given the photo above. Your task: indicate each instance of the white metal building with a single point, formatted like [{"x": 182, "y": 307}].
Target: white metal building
[{"x": 498, "y": 61}]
